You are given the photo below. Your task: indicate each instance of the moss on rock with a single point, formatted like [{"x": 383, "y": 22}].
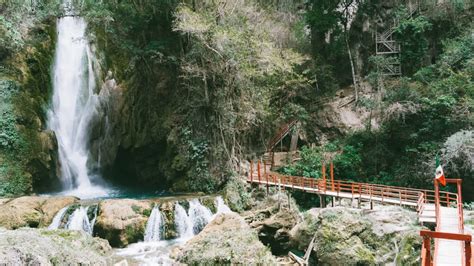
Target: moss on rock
[
  {"x": 236, "y": 195},
  {"x": 346, "y": 236},
  {"x": 228, "y": 239}
]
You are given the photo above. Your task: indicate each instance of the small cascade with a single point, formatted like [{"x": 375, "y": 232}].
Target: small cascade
[
  {"x": 221, "y": 206},
  {"x": 155, "y": 226},
  {"x": 57, "y": 219},
  {"x": 184, "y": 225},
  {"x": 93, "y": 213},
  {"x": 199, "y": 215},
  {"x": 79, "y": 220}
]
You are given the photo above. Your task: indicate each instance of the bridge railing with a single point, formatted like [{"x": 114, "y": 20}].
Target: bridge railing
[
  {"x": 401, "y": 195},
  {"x": 426, "y": 258}
]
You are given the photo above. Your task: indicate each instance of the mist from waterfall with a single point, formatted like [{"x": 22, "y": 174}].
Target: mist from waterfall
[{"x": 74, "y": 104}]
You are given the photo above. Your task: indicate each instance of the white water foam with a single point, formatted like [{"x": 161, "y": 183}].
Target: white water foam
[
  {"x": 184, "y": 225},
  {"x": 57, "y": 218},
  {"x": 80, "y": 221},
  {"x": 199, "y": 214},
  {"x": 187, "y": 225},
  {"x": 155, "y": 226},
  {"x": 74, "y": 104},
  {"x": 221, "y": 206}
]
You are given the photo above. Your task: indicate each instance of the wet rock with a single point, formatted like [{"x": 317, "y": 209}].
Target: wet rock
[
  {"x": 44, "y": 167},
  {"x": 273, "y": 219},
  {"x": 122, "y": 221},
  {"x": 236, "y": 195},
  {"x": 228, "y": 239},
  {"x": 32, "y": 211},
  {"x": 52, "y": 247},
  {"x": 347, "y": 236},
  {"x": 167, "y": 210}
]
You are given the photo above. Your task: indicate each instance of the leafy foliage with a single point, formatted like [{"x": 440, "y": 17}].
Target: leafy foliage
[
  {"x": 411, "y": 33},
  {"x": 228, "y": 73}
]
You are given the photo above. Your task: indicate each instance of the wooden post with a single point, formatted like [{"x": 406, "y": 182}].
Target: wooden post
[
  {"x": 332, "y": 202},
  {"x": 468, "y": 250},
  {"x": 427, "y": 248},
  {"x": 251, "y": 171},
  {"x": 321, "y": 201},
  {"x": 461, "y": 212},
  {"x": 324, "y": 175},
  {"x": 332, "y": 176},
  {"x": 258, "y": 170},
  {"x": 265, "y": 173}
]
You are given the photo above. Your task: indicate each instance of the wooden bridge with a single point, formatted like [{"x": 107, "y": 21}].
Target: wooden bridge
[{"x": 452, "y": 246}]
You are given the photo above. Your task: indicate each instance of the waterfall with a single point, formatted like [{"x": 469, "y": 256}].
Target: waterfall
[
  {"x": 199, "y": 215},
  {"x": 57, "y": 218},
  {"x": 184, "y": 225},
  {"x": 79, "y": 220},
  {"x": 155, "y": 226},
  {"x": 221, "y": 206},
  {"x": 74, "y": 102}
]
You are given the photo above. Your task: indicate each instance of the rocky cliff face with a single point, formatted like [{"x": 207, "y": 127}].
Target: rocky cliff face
[{"x": 28, "y": 151}]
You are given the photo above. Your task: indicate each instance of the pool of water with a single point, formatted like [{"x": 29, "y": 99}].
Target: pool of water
[{"x": 118, "y": 192}]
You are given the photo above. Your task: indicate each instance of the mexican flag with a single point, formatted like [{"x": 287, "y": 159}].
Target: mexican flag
[{"x": 439, "y": 174}]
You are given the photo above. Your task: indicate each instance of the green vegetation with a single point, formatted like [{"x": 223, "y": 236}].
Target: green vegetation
[
  {"x": 205, "y": 84},
  {"x": 26, "y": 47}
]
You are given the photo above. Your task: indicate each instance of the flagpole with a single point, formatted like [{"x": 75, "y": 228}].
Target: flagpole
[{"x": 436, "y": 185}]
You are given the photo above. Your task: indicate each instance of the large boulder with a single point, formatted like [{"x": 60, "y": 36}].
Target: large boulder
[
  {"x": 347, "y": 236},
  {"x": 122, "y": 221},
  {"x": 273, "y": 218},
  {"x": 28, "y": 246},
  {"x": 31, "y": 211},
  {"x": 228, "y": 239}
]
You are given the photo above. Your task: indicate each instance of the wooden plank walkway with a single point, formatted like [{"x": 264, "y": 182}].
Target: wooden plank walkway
[
  {"x": 448, "y": 252},
  {"x": 452, "y": 245}
]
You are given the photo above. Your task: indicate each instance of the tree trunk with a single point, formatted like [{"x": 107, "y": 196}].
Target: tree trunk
[{"x": 354, "y": 78}]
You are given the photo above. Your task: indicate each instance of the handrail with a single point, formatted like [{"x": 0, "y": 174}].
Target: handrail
[
  {"x": 426, "y": 247},
  {"x": 403, "y": 196},
  {"x": 413, "y": 197},
  {"x": 281, "y": 134}
]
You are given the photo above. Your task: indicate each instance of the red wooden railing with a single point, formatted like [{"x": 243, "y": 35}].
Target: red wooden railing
[
  {"x": 375, "y": 192},
  {"x": 464, "y": 238},
  {"x": 426, "y": 249},
  {"x": 282, "y": 132}
]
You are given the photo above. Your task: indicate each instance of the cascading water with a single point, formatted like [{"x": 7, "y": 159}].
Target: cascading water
[
  {"x": 74, "y": 103},
  {"x": 221, "y": 206},
  {"x": 154, "y": 252},
  {"x": 155, "y": 226},
  {"x": 57, "y": 218},
  {"x": 199, "y": 215},
  {"x": 184, "y": 225},
  {"x": 79, "y": 220}
]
